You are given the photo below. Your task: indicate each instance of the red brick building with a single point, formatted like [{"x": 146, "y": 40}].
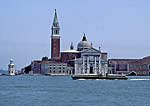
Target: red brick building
[{"x": 130, "y": 66}]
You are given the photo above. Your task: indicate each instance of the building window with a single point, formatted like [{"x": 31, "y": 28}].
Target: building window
[
  {"x": 56, "y": 32},
  {"x": 148, "y": 66}
]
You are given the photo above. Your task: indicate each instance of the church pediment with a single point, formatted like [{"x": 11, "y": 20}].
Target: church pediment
[{"x": 91, "y": 50}]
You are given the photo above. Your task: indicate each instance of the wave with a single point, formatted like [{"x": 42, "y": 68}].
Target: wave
[{"x": 139, "y": 79}]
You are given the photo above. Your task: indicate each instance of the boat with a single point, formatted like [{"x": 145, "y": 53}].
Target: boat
[{"x": 107, "y": 77}]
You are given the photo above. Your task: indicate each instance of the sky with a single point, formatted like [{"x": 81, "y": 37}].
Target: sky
[{"x": 120, "y": 27}]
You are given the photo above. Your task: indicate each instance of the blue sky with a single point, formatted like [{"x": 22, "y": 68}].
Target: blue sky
[{"x": 120, "y": 27}]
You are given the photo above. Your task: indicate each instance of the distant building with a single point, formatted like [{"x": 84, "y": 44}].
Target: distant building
[
  {"x": 11, "y": 68},
  {"x": 36, "y": 67},
  {"x": 26, "y": 70},
  {"x": 91, "y": 62},
  {"x": 84, "y": 59},
  {"x": 130, "y": 66},
  {"x": 68, "y": 56},
  {"x": 55, "y": 68},
  {"x": 119, "y": 65},
  {"x": 65, "y": 62}
]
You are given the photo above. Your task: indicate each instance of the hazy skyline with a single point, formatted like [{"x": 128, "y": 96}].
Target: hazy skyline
[{"x": 120, "y": 27}]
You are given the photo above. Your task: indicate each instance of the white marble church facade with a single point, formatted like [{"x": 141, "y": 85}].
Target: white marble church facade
[{"x": 91, "y": 62}]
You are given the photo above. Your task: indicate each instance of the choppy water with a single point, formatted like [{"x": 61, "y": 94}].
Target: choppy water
[{"x": 63, "y": 91}]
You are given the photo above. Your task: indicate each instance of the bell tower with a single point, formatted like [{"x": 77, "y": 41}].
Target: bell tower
[{"x": 55, "y": 39}]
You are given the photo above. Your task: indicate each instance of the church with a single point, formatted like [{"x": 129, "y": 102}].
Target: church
[{"x": 85, "y": 59}]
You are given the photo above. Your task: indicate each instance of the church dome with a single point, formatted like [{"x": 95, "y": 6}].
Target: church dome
[{"x": 84, "y": 44}]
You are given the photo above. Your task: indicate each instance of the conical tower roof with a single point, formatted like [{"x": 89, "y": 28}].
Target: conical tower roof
[{"x": 55, "y": 20}]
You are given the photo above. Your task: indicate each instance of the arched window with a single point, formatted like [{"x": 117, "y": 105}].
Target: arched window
[
  {"x": 56, "y": 32},
  {"x": 148, "y": 66}
]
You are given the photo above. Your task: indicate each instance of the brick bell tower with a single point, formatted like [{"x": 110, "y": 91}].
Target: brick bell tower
[{"x": 55, "y": 39}]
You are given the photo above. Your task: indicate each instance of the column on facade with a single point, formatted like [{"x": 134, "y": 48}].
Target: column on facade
[
  {"x": 99, "y": 65},
  {"x": 95, "y": 66},
  {"x": 106, "y": 69},
  {"x": 71, "y": 71},
  {"x": 80, "y": 69},
  {"x": 88, "y": 65},
  {"x": 75, "y": 67},
  {"x": 115, "y": 67},
  {"x": 83, "y": 66}
]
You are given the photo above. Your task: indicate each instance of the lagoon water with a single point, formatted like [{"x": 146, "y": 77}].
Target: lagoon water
[{"x": 63, "y": 91}]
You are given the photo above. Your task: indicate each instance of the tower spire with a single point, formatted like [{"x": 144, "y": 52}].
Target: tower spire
[
  {"x": 55, "y": 26},
  {"x": 55, "y": 21}
]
